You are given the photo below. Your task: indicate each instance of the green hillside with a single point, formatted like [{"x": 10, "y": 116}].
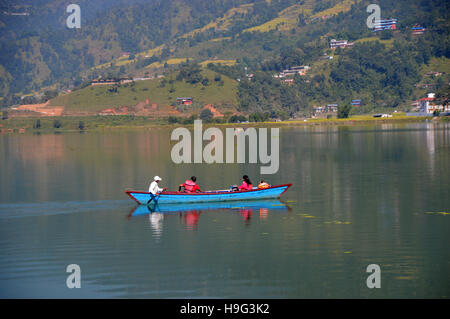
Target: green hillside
[
  {"x": 97, "y": 98},
  {"x": 386, "y": 69}
]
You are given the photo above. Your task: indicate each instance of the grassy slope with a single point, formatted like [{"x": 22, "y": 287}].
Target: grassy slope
[
  {"x": 338, "y": 8},
  {"x": 288, "y": 18},
  {"x": 389, "y": 43},
  {"x": 94, "y": 99},
  {"x": 222, "y": 22},
  {"x": 437, "y": 65}
]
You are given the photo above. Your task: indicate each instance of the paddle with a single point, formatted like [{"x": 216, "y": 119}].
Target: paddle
[{"x": 152, "y": 198}]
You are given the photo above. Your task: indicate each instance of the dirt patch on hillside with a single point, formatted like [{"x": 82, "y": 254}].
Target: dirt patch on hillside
[
  {"x": 42, "y": 109},
  {"x": 142, "y": 108}
]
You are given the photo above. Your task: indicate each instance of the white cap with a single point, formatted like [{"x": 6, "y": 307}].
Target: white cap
[{"x": 157, "y": 178}]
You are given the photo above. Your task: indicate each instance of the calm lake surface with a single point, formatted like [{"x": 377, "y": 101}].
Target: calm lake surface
[{"x": 361, "y": 195}]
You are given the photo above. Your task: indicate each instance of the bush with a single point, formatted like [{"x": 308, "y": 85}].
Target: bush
[
  {"x": 172, "y": 119},
  {"x": 259, "y": 117},
  {"x": 206, "y": 115},
  {"x": 162, "y": 83},
  {"x": 386, "y": 35},
  {"x": 237, "y": 119},
  {"x": 282, "y": 115},
  {"x": 343, "y": 111},
  {"x": 205, "y": 81},
  {"x": 57, "y": 124},
  {"x": 190, "y": 120}
]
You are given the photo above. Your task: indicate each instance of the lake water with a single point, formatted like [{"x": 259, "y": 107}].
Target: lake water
[{"x": 361, "y": 195}]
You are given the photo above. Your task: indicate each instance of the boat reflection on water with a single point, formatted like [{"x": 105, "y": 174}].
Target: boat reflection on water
[
  {"x": 156, "y": 222},
  {"x": 190, "y": 213}
]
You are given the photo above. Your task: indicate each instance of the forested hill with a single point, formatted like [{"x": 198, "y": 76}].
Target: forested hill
[{"x": 143, "y": 38}]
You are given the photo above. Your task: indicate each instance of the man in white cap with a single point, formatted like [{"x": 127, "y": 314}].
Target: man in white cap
[{"x": 154, "y": 189}]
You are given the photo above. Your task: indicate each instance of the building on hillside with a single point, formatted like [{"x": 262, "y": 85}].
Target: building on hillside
[
  {"x": 288, "y": 81},
  {"x": 340, "y": 44},
  {"x": 417, "y": 29},
  {"x": 125, "y": 81},
  {"x": 356, "y": 102},
  {"x": 433, "y": 73},
  {"x": 324, "y": 110},
  {"x": 142, "y": 79},
  {"x": 184, "y": 100},
  {"x": 389, "y": 24},
  {"x": 104, "y": 82},
  {"x": 331, "y": 108},
  {"x": 429, "y": 105},
  {"x": 111, "y": 81},
  {"x": 300, "y": 70},
  {"x": 115, "y": 81},
  {"x": 425, "y": 85}
]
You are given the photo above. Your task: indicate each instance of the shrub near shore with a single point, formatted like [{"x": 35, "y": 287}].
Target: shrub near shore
[{"x": 47, "y": 124}]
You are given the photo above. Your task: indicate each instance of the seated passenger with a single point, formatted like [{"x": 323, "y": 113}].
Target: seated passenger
[
  {"x": 263, "y": 185},
  {"x": 246, "y": 184},
  {"x": 190, "y": 186}
]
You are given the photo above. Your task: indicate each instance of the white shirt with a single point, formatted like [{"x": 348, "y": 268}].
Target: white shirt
[{"x": 154, "y": 188}]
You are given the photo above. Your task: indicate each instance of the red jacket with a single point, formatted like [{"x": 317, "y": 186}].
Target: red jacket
[
  {"x": 190, "y": 186},
  {"x": 245, "y": 186}
]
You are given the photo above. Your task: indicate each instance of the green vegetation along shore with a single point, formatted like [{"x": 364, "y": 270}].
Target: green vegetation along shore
[{"x": 96, "y": 123}]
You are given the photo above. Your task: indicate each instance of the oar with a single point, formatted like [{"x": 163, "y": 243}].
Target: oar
[{"x": 156, "y": 198}]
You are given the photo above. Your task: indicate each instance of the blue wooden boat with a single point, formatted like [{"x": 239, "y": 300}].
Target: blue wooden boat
[{"x": 210, "y": 196}]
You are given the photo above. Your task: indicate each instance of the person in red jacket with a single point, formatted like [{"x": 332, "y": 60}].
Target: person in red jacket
[
  {"x": 246, "y": 184},
  {"x": 190, "y": 186}
]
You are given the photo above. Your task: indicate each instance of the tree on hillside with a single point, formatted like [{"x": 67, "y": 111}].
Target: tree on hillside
[
  {"x": 191, "y": 73},
  {"x": 57, "y": 124},
  {"x": 343, "y": 111},
  {"x": 206, "y": 115},
  {"x": 237, "y": 119},
  {"x": 205, "y": 81}
]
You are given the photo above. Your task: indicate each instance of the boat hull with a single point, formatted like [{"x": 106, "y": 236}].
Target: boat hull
[{"x": 213, "y": 196}]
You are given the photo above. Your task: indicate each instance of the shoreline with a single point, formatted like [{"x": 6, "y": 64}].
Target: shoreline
[{"x": 24, "y": 125}]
